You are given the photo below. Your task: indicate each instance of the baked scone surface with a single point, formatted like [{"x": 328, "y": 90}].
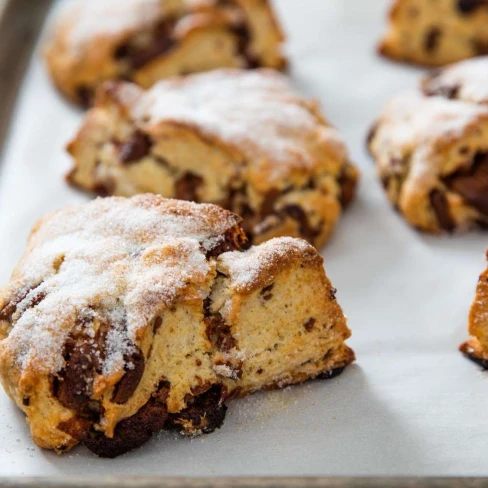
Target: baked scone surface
[
  {"x": 241, "y": 139},
  {"x": 147, "y": 40},
  {"x": 476, "y": 348},
  {"x": 431, "y": 149},
  {"x": 436, "y": 32},
  {"x": 127, "y": 316}
]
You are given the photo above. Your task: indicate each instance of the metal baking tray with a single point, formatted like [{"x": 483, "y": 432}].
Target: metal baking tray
[{"x": 411, "y": 409}]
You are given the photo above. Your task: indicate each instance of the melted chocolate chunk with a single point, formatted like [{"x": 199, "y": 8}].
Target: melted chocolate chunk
[
  {"x": 186, "y": 187},
  {"x": 309, "y": 324},
  {"x": 269, "y": 202},
  {"x": 480, "y": 47},
  {"x": 129, "y": 382},
  {"x": 469, "y": 6},
  {"x": 328, "y": 375},
  {"x": 305, "y": 229},
  {"x": 237, "y": 202},
  {"x": 9, "y": 309},
  {"x": 219, "y": 332},
  {"x": 133, "y": 431},
  {"x": 266, "y": 292},
  {"x": 440, "y": 205},
  {"x": 77, "y": 427},
  {"x": 472, "y": 184},
  {"x": 447, "y": 91},
  {"x": 73, "y": 385},
  {"x": 204, "y": 413},
  {"x": 231, "y": 241},
  {"x": 157, "y": 325},
  {"x": 105, "y": 189},
  {"x": 432, "y": 38},
  {"x": 348, "y": 188},
  {"x": 85, "y": 96},
  {"x": 243, "y": 35},
  {"x": 138, "y": 56},
  {"x": 137, "y": 147}
]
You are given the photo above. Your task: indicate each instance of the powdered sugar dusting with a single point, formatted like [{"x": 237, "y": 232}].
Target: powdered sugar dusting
[
  {"x": 91, "y": 19},
  {"x": 412, "y": 119},
  {"x": 256, "y": 112},
  {"x": 246, "y": 268},
  {"x": 468, "y": 78},
  {"x": 121, "y": 261}
]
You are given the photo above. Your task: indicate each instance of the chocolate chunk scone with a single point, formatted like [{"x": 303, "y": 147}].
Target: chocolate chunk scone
[
  {"x": 147, "y": 40},
  {"x": 127, "y": 316},
  {"x": 243, "y": 140},
  {"x": 431, "y": 150},
  {"x": 436, "y": 32},
  {"x": 476, "y": 348}
]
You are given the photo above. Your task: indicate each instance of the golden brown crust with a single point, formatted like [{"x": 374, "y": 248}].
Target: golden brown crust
[
  {"x": 279, "y": 163},
  {"x": 431, "y": 150},
  {"x": 147, "y": 40},
  {"x": 126, "y": 316},
  {"x": 476, "y": 348},
  {"x": 435, "y": 33}
]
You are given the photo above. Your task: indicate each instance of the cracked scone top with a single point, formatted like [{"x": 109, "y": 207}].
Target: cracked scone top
[
  {"x": 436, "y": 32},
  {"x": 244, "y": 140},
  {"x": 431, "y": 149},
  {"x": 127, "y": 316},
  {"x": 147, "y": 40}
]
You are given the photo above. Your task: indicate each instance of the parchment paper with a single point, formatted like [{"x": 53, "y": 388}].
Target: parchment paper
[{"x": 411, "y": 405}]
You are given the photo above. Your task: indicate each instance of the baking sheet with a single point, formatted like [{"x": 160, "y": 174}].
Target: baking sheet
[{"x": 411, "y": 405}]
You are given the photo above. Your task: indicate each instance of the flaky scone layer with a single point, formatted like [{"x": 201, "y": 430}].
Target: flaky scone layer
[
  {"x": 148, "y": 40},
  {"x": 127, "y": 316},
  {"x": 431, "y": 150},
  {"x": 436, "y": 32},
  {"x": 244, "y": 140}
]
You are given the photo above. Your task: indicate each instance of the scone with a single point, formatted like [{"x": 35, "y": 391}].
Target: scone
[
  {"x": 431, "y": 150},
  {"x": 147, "y": 40},
  {"x": 241, "y": 139},
  {"x": 127, "y": 316},
  {"x": 436, "y": 32},
  {"x": 476, "y": 348}
]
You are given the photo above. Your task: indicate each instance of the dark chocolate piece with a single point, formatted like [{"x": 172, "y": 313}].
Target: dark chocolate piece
[
  {"x": 328, "y": 375},
  {"x": 348, "y": 189},
  {"x": 129, "y": 382},
  {"x": 309, "y": 324},
  {"x": 230, "y": 241},
  {"x": 161, "y": 41},
  {"x": 219, "y": 332},
  {"x": 134, "y": 149},
  {"x": 85, "y": 96},
  {"x": 469, "y": 6},
  {"x": 432, "y": 38},
  {"x": 186, "y": 187},
  {"x": 306, "y": 230},
  {"x": 440, "y": 205},
  {"x": 472, "y": 184},
  {"x": 133, "y": 431},
  {"x": 205, "y": 412}
]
